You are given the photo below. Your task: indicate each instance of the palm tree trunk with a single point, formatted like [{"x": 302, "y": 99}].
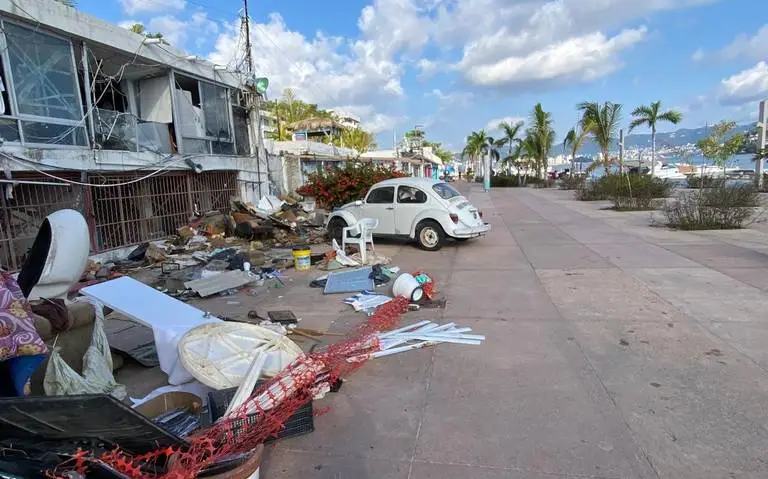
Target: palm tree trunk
[{"x": 653, "y": 151}]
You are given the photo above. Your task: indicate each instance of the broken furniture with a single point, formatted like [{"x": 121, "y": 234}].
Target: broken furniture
[
  {"x": 351, "y": 281},
  {"x": 219, "y": 355},
  {"x": 169, "y": 318},
  {"x": 360, "y": 233},
  {"x": 58, "y": 256}
]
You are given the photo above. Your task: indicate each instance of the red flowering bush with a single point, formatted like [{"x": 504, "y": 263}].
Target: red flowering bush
[{"x": 349, "y": 182}]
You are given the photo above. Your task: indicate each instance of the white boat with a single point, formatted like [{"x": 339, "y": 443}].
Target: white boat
[{"x": 668, "y": 171}]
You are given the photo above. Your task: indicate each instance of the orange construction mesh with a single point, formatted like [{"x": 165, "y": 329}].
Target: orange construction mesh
[{"x": 271, "y": 405}]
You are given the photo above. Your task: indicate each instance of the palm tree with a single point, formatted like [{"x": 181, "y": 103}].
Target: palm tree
[
  {"x": 358, "y": 139},
  {"x": 542, "y": 137},
  {"x": 602, "y": 122},
  {"x": 650, "y": 115},
  {"x": 573, "y": 142},
  {"x": 509, "y": 136},
  {"x": 479, "y": 144}
]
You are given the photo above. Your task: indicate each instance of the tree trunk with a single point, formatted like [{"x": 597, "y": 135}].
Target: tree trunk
[
  {"x": 653, "y": 151},
  {"x": 487, "y": 172}
]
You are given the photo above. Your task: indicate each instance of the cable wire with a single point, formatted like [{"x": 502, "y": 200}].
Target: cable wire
[{"x": 163, "y": 169}]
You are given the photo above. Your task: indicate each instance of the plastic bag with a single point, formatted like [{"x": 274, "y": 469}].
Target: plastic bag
[{"x": 97, "y": 378}]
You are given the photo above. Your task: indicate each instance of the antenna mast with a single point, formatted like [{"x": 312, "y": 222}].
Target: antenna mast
[{"x": 247, "y": 27}]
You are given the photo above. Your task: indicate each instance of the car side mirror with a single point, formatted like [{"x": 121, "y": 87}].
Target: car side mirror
[{"x": 359, "y": 203}]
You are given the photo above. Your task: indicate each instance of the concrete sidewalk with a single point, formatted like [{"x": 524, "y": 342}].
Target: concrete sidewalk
[{"x": 614, "y": 350}]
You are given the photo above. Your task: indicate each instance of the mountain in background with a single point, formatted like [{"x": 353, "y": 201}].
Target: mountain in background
[{"x": 676, "y": 138}]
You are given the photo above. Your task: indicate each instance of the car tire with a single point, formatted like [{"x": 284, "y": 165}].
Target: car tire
[
  {"x": 336, "y": 229},
  {"x": 430, "y": 235}
]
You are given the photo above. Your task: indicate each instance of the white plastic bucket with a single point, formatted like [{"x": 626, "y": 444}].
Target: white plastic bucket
[{"x": 407, "y": 286}]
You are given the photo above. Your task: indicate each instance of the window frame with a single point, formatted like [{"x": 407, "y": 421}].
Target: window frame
[
  {"x": 443, "y": 183},
  {"x": 381, "y": 188},
  {"x": 177, "y": 124},
  {"x": 397, "y": 196},
  {"x": 10, "y": 86}
]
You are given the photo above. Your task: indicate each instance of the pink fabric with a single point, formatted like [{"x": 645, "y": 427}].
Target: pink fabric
[{"x": 18, "y": 336}]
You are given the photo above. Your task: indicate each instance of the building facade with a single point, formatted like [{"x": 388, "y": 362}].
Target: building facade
[{"x": 133, "y": 133}]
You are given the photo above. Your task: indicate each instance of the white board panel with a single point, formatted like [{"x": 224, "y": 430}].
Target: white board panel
[{"x": 168, "y": 317}]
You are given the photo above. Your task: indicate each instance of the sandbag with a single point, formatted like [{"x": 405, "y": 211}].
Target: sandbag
[{"x": 97, "y": 378}]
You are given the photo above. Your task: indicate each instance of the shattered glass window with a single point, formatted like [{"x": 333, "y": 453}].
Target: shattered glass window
[
  {"x": 43, "y": 74},
  {"x": 215, "y": 103},
  {"x": 53, "y": 133}
]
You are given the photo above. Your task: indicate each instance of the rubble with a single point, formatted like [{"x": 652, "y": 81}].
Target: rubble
[{"x": 260, "y": 370}]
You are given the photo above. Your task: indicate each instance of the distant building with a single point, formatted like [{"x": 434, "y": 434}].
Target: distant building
[
  {"x": 346, "y": 120},
  {"x": 268, "y": 123}
]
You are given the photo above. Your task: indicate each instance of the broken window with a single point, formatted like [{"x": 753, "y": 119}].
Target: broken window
[
  {"x": 9, "y": 127},
  {"x": 204, "y": 117},
  {"x": 45, "y": 85}
]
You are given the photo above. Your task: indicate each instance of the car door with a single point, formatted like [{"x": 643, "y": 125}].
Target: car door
[
  {"x": 380, "y": 205},
  {"x": 410, "y": 201}
]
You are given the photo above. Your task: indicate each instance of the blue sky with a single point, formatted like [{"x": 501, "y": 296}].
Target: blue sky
[{"x": 455, "y": 66}]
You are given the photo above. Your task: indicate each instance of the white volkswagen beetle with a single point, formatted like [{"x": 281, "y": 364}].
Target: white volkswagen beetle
[{"x": 423, "y": 209}]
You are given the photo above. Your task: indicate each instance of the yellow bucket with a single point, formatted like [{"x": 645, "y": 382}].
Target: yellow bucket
[{"x": 301, "y": 258}]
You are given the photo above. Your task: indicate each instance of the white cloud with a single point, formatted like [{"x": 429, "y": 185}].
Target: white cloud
[
  {"x": 177, "y": 32},
  {"x": 452, "y": 99},
  {"x": 580, "y": 59},
  {"x": 503, "y": 43},
  {"x": 427, "y": 68},
  {"x": 493, "y": 125},
  {"x": 128, "y": 23},
  {"x": 531, "y": 44},
  {"x": 698, "y": 55},
  {"x": 364, "y": 72},
  {"x": 370, "y": 119},
  {"x": 152, "y": 6},
  {"x": 748, "y": 85},
  {"x": 753, "y": 47}
]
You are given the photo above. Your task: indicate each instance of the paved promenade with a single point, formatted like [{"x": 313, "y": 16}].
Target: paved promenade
[{"x": 614, "y": 350}]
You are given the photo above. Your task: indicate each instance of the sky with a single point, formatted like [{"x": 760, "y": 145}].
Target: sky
[{"x": 457, "y": 66}]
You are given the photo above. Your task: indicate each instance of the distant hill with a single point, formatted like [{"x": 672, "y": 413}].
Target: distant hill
[{"x": 643, "y": 140}]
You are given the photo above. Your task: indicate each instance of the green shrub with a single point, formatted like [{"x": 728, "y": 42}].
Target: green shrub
[
  {"x": 644, "y": 192},
  {"x": 644, "y": 189},
  {"x": 572, "y": 182},
  {"x": 335, "y": 187},
  {"x": 509, "y": 181},
  {"x": 713, "y": 208}
]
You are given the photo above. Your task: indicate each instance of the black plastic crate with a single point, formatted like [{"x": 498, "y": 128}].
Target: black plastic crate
[{"x": 302, "y": 421}]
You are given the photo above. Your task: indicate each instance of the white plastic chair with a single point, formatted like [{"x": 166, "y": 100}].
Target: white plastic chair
[{"x": 364, "y": 228}]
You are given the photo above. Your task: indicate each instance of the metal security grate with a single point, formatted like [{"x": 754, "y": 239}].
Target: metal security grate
[
  {"x": 22, "y": 214},
  {"x": 118, "y": 215}
]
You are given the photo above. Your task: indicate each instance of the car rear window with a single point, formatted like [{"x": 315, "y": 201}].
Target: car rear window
[{"x": 445, "y": 191}]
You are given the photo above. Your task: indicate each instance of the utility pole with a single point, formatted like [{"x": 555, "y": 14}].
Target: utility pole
[
  {"x": 254, "y": 103},
  {"x": 247, "y": 26}
]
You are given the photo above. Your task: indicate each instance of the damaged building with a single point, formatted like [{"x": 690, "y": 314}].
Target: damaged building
[{"x": 131, "y": 132}]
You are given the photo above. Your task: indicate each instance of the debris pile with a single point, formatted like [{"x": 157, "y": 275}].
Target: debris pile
[{"x": 248, "y": 379}]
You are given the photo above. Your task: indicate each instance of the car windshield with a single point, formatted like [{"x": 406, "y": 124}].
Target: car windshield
[{"x": 445, "y": 191}]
